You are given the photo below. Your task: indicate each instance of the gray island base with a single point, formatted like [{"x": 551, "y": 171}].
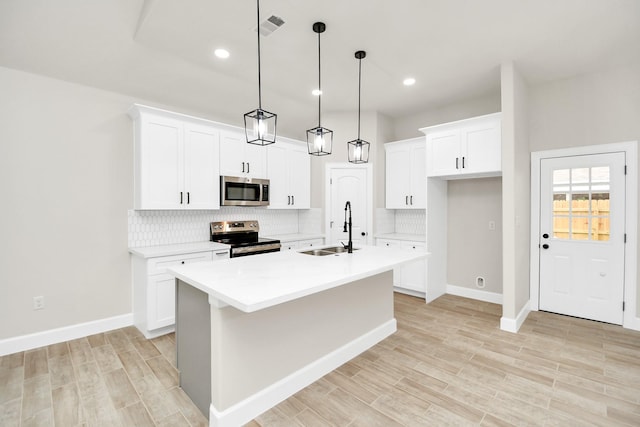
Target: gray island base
[
  {"x": 236, "y": 365},
  {"x": 252, "y": 331}
]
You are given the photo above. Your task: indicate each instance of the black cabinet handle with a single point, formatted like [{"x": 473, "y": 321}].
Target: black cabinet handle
[
  {"x": 406, "y": 200},
  {"x": 545, "y": 236},
  {"x": 288, "y": 200},
  {"x": 248, "y": 167},
  {"x": 188, "y": 198},
  {"x": 545, "y": 246},
  {"x": 181, "y": 197},
  {"x": 293, "y": 200},
  {"x": 457, "y": 163},
  {"x": 463, "y": 163},
  {"x": 363, "y": 233},
  {"x": 242, "y": 167},
  {"x": 182, "y": 262},
  {"x": 411, "y": 200}
]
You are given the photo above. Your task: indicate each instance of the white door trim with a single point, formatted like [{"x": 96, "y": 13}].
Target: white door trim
[
  {"x": 327, "y": 197},
  {"x": 630, "y": 318}
]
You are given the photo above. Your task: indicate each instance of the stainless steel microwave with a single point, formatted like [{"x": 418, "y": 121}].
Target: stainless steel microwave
[{"x": 242, "y": 191}]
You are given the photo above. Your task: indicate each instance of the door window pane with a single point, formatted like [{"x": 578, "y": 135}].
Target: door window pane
[{"x": 581, "y": 203}]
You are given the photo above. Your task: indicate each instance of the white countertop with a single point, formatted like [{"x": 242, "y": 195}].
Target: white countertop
[
  {"x": 260, "y": 281},
  {"x": 177, "y": 249},
  {"x": 295, "y": 237},
  {"x": 402, "y": 236}
]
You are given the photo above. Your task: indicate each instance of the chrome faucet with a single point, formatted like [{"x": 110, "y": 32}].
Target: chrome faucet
[{"x": 348, "y": 246}]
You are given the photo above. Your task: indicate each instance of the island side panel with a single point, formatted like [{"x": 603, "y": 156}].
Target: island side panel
[
  {"x": 193, "y": 343},
  {"x": 253, "y": 351}
]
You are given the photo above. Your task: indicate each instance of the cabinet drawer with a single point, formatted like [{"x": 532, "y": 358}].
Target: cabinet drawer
[
  {"x": 303, "y": 244},
  {"x": 159, "y": 265},
  {"x": 414, "y": 246},
  {"x": 289, "y": 246},
  {"x": 389, "y": 243}
]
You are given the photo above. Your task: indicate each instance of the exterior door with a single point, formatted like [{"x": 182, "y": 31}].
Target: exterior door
[
  {"x": 582, "y": 205},
  {"x": 348, "y": 184}
]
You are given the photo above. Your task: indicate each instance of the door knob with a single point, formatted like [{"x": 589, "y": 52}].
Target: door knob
[{"x": 545, "y": 246}]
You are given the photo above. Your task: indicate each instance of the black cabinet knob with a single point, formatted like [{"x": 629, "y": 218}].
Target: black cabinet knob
[
  {"x": 545, "y": 246},
  {"x": 545, "y": 236}
]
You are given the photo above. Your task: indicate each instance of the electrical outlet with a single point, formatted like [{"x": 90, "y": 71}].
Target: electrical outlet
[
  {"x": 492, "y": 225},
  {"x": 38, "y": 303}
]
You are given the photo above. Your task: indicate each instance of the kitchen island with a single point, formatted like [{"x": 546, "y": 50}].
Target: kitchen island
[{"x": 252, "y": 331}]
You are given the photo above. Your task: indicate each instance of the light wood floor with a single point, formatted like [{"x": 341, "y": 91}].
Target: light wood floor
[{"x": 448, "y": 364}]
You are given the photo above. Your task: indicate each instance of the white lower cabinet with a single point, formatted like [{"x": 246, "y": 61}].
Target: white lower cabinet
[
  {"x": 154, "y": 300},
  {"x": 410, "y": 278},
  {"x": 301, "y": 244}
]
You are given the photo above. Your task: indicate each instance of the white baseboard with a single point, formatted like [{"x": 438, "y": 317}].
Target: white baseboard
[
  {"x": 478, "y": 294},
  {"x": 513, "y": 325},
  {"x": 54, "y": 336},
  {"x": 246, "y": 410}
]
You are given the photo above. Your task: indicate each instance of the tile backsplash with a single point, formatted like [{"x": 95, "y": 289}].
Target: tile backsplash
[
  {"x": 411, "y": 221},
  {"x": 405, "y": 221},
  {"x": 152, "y": 228}
]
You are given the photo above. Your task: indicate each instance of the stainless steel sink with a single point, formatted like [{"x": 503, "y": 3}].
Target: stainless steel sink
[{"x": 332, "y": 250}]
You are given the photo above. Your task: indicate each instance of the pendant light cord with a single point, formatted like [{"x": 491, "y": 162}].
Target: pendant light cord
[
  {"x": 319, "y": 80},
  {"x": 359, "y": 92},
  {"x": 259, "y": 79}
]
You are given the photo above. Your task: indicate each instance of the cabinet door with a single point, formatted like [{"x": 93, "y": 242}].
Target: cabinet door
[
  {"x": 255, "y": 159},
  {"x": 160, "y": 164},
  {"x": 278, "y": 174},
  {"x": 443, "y": 153},
  {"x": 418, "y": 196},
  {"x": 161, "y": 304},
  {"x": 299, "y": 178},
  {"x": 481, "y": 148},
  {"x": 398, "y": 177},
  {"x": 413, "y": 275},
  {"x": 201, "y": 168},
  {"x": 232, "y": 157}
]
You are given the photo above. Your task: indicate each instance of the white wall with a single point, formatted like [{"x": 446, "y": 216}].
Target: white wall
[
  {"x": 66, "y": 182},
  {"x": 407, "y": 127},
  {"x": 374, "y": 128},
  {"x": 472, "y": 248},
  {"x": 515, "y": 193},
  {"x": 596, "y": 108}
]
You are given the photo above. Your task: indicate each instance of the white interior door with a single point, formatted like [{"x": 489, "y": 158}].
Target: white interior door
[
  {"x": 582, "y": 205},
  {"x": 348, "y": 184}
]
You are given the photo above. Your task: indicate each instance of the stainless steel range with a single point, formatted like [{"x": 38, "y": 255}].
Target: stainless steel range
[{"x": 243, "y": 238}]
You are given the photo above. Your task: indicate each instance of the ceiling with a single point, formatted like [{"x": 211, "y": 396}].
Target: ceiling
[{"x": 161, "y": 50}]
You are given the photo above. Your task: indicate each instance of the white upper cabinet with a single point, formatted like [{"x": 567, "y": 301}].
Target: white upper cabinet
[
  {"x": 466, "y": 148},
  {"x": 176, "y": 161},
  {"x": 289, "y": 173},
  {"x": 237, "y": 158},
  {"x": 406, "y": 174}
]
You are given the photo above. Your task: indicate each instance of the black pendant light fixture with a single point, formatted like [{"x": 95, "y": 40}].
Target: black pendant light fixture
[
  {"x": 359, "y": 149},
  {"x": 259, "y": 124},
  {"x": 319, "y": 139}
]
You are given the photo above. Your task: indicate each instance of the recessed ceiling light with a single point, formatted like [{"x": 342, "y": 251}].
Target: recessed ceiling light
[
  {"x": 221, "y": 53},
  {"x": 409, "y": 81},
  {"x": 316, "y": 92}
]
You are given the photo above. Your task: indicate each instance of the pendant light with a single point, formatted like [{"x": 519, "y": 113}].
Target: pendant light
[
  {"x": 259, "y": 124},
  {"x": 319, "y": 139},
  {"x": 358, "y": 150}
]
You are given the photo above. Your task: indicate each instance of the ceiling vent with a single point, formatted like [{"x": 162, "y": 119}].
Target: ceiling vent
[{"x": 270, "y": 24}]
